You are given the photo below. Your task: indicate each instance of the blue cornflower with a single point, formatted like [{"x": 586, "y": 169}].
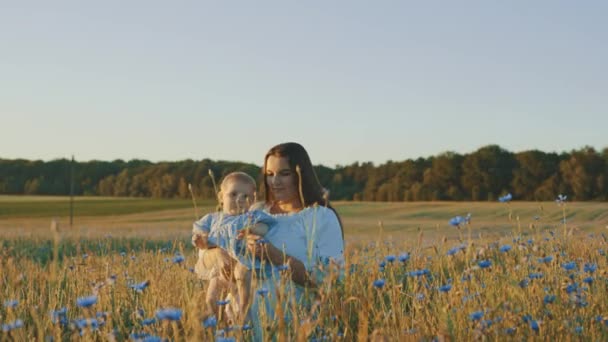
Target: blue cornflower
[
  {"x": 262, "y": 291},
  {"x": 152, "y": 338},
  {"x": 382, "y": 264},
  {"x": 546, "y": 259},
  {"x": 210, "y": 322},
  {"x": 141, "y": 286},
  {"x": 505, "y": 248},
  {"x": 418, "y": 273},
  {"x": 524, "y": 283},
  {"x": 178, "y": 259},
  {"x": 12, "y": 325},
  {"x": 225, "y": 339},
  {"x": 102, "y": 314},
  {"x": 549, "y": 299},
  {"x": 590, "y": 268},
  {"x": 390, "y": 258},
  {"x": 11, "y": 303},
  {"x": 510, "y": 331},
  {"x": 453, "y": 251},
  {"x": 445, "y": 288},
  {"x": 246, "y": 327},
  {"x": 223, "y": 302},
  {"x": 476, "y": 316},
  {"x": 85, "y": 302},
  {"x": 569, "y": 266},
  {"x": 486, "y": 323},
  {"x": 59, "y": 316},
  {"x": 148, "y": 321},
  {"x": 82, "y": 323},
  {"x": 535, "y": 275},
  {"x": 484, "y": 263},
  {"x": 139, "y": 335},
  {"x": 456, "y": 221},
  {"x": 506, "y": 198},
  {"x": 588, "y": 280},
  {"x": 403, "y": 257},
  {"x": 534, "y": 325},
  {"x": 578, "y": 330},
  {"x": 169, "y": 314},
  {"x": 561, "y": 199},
  {"x": 379, "y": 283},
  {"x": 571, "y": 287}
]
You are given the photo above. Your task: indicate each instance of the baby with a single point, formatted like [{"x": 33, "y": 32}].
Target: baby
[{"x": 221, "y": 256}]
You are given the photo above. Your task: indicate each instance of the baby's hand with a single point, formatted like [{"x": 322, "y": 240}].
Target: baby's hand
[{"x": 199, "y": 240}]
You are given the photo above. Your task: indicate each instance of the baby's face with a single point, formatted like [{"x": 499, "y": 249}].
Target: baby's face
[{"x": 237, "y": 197}]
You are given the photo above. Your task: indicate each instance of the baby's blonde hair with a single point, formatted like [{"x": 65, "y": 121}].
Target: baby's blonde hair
[{"x": 238, "y": 176}]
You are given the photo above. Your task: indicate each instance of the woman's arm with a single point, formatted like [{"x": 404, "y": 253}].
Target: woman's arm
[{"x": 275, "y": 256}]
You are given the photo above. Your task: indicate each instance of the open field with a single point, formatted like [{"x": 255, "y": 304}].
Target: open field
[
  {"x": 30, "y": 216},
  {"x": 522, "y": 275}
]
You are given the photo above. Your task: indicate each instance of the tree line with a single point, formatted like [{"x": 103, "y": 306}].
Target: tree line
[{"x": 482, "y": 175}]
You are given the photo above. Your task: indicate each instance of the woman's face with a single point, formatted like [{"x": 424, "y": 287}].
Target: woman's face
[{"x": 281, "y": 180}]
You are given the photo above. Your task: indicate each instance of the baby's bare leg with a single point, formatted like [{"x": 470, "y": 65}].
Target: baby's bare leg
[
  {"x": 217, "y": 290},
  {"x": 242, "y": 277},
  {"x": 231, "y": 272},
  {"x": 214, "y": 292},
  {"x": 219, "y": 262}
]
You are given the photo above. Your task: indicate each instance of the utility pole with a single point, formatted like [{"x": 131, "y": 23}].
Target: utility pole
[{"x": 72, "y": 191}]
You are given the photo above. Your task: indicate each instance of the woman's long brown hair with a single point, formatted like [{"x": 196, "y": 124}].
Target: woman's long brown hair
[{"x": 311, "y": 191}]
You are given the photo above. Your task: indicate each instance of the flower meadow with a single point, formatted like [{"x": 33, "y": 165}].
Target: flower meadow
[{"x": 542, "y": 281}]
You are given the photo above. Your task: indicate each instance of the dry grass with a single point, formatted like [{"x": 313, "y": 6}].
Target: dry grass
[{"x": 509, "y": 295}]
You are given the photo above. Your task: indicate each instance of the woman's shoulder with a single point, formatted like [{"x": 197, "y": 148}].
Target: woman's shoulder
[
  {"x": 316, "y": 213},
  {"x": 320, "y": 210}
]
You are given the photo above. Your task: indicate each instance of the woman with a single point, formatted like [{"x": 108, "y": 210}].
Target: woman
[{"x": 307, "y": 235}]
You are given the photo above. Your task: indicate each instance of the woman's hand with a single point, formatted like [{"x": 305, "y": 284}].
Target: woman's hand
[
  {"x": 265, "y": 250},
  {"x": 253, "y": 243}
]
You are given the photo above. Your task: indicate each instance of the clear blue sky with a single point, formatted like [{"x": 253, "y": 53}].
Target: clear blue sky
[{"x": 350, "y": 80}]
